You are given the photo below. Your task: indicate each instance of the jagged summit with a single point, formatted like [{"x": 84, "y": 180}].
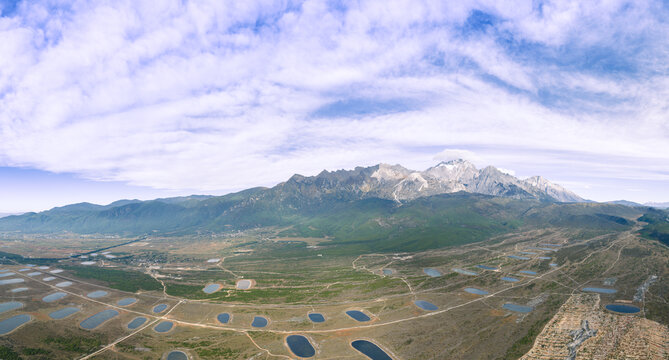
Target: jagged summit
[{"x": 398, "y": 183}]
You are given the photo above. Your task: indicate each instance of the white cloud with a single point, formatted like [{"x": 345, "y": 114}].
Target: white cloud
[{"x": 220, "y": 94}]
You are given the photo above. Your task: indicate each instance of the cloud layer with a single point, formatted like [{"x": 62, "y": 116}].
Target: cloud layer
[{"x": 222, "y": 95}]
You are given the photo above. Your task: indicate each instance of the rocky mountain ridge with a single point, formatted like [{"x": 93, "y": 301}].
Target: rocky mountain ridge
[{"x": 394, "y": 182}]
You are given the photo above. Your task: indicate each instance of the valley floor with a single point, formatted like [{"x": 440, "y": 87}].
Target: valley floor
[{"x": 527, "y": 285}]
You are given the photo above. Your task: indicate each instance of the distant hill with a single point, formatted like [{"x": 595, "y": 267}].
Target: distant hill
[
  {"x": 659, "y": 205},
  {"x": 8, "y": 214},
  {"x": 626, "y": 203}
]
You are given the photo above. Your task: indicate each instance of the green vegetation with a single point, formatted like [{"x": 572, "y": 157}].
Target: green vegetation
[
  {"x": 35, "y": 351},
  {"x": 203, "y": 350},
  {"x": 131, "y": 281},
  {"x": 77, "y": 344},
  {"x": 7, "y": 353},
  {"x": 523, "y": 345},
  {"x": 658, "y": 225}
]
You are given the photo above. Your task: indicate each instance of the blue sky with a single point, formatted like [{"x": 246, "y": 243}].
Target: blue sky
[{"x": 101, "y": 100}]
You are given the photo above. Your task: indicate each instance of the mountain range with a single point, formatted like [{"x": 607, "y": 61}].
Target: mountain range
[
  {"x": 374, "y": 208},
  {"x": 394, "y": 182}
]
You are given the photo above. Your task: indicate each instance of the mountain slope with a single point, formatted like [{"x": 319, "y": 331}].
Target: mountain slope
[{"x": 325, "y": 202}]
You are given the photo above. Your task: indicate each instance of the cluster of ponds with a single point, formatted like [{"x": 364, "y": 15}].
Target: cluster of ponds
[
  {"x": 301, "y": 347},
  {"x": 298, "y": 344}
]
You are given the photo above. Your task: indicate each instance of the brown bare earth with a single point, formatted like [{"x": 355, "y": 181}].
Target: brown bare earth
[{"x": 617, "y": 336}]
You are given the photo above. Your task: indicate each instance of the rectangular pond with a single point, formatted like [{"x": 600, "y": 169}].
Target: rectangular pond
[
  {"x": 432, "y": 272},
  {"x": 11, "y": 281},
  {"x": 63, "y": 313},
  {"x": 99, "y": 318},
  {"x": 600, "y": 290},
  {"x": 464, "y": 272},
  {"x": 12, "y": 323},
  {"x": 517, "y": 308}
]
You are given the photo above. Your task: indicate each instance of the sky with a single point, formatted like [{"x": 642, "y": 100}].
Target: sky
[{"x": 103, "y": 100}]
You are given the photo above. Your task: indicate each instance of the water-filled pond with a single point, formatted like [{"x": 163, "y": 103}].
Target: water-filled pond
[
  {"x": 212, "y": 288},
  {"x": 177, "y": 355},
  {"x": 476, "y": 291},
  {"x": 21, "y": 289},
  {"x": 97, "y": 294},
  {"x": 543, "y": 248},
  {"x": 11, "y": 281},
  {"x": 518, "y": 257},
  {"x": 370, "y": 349},
  {"x": 63, "y": 284},
  {"x": 357, "y": 315},
  {"x": 163, "y": 327},
  {"x": 528, "y": 272},
  {"x": 316, "y": 317},
  {"x": 464, "y": 272},
  {"x": 600, "y": 290},
  {"x": 387, "y": 271},
  {"x": 244, "y": 284},
  {"x": 136, "y": 322},
  {"x": 10, "y": 324},
  {"x": 486, "y": 267},
  {"x": 9, "y": 306},
  {"x": 623, "y": 309},
  {"x": 53, "y": 297},
  {"x": 63, "y": 313},
  {"x": 99, "y": 318},
  {"x": 223, "y": 318},
  {"x": 509, "y": 279},
  {"x": 259, "y": 322},
  {"x": 300, "y": 346},
  {"x": 517, "y": 308},
  {"x": 432, "y": 272},
  {"x": 126, "y": 301},
  {"x": 159, "y": 308},
  {"x": 426, "y": 305}
]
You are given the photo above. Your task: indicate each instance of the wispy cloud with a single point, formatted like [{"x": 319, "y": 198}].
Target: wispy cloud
[{"x": 227, "y": 94}]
